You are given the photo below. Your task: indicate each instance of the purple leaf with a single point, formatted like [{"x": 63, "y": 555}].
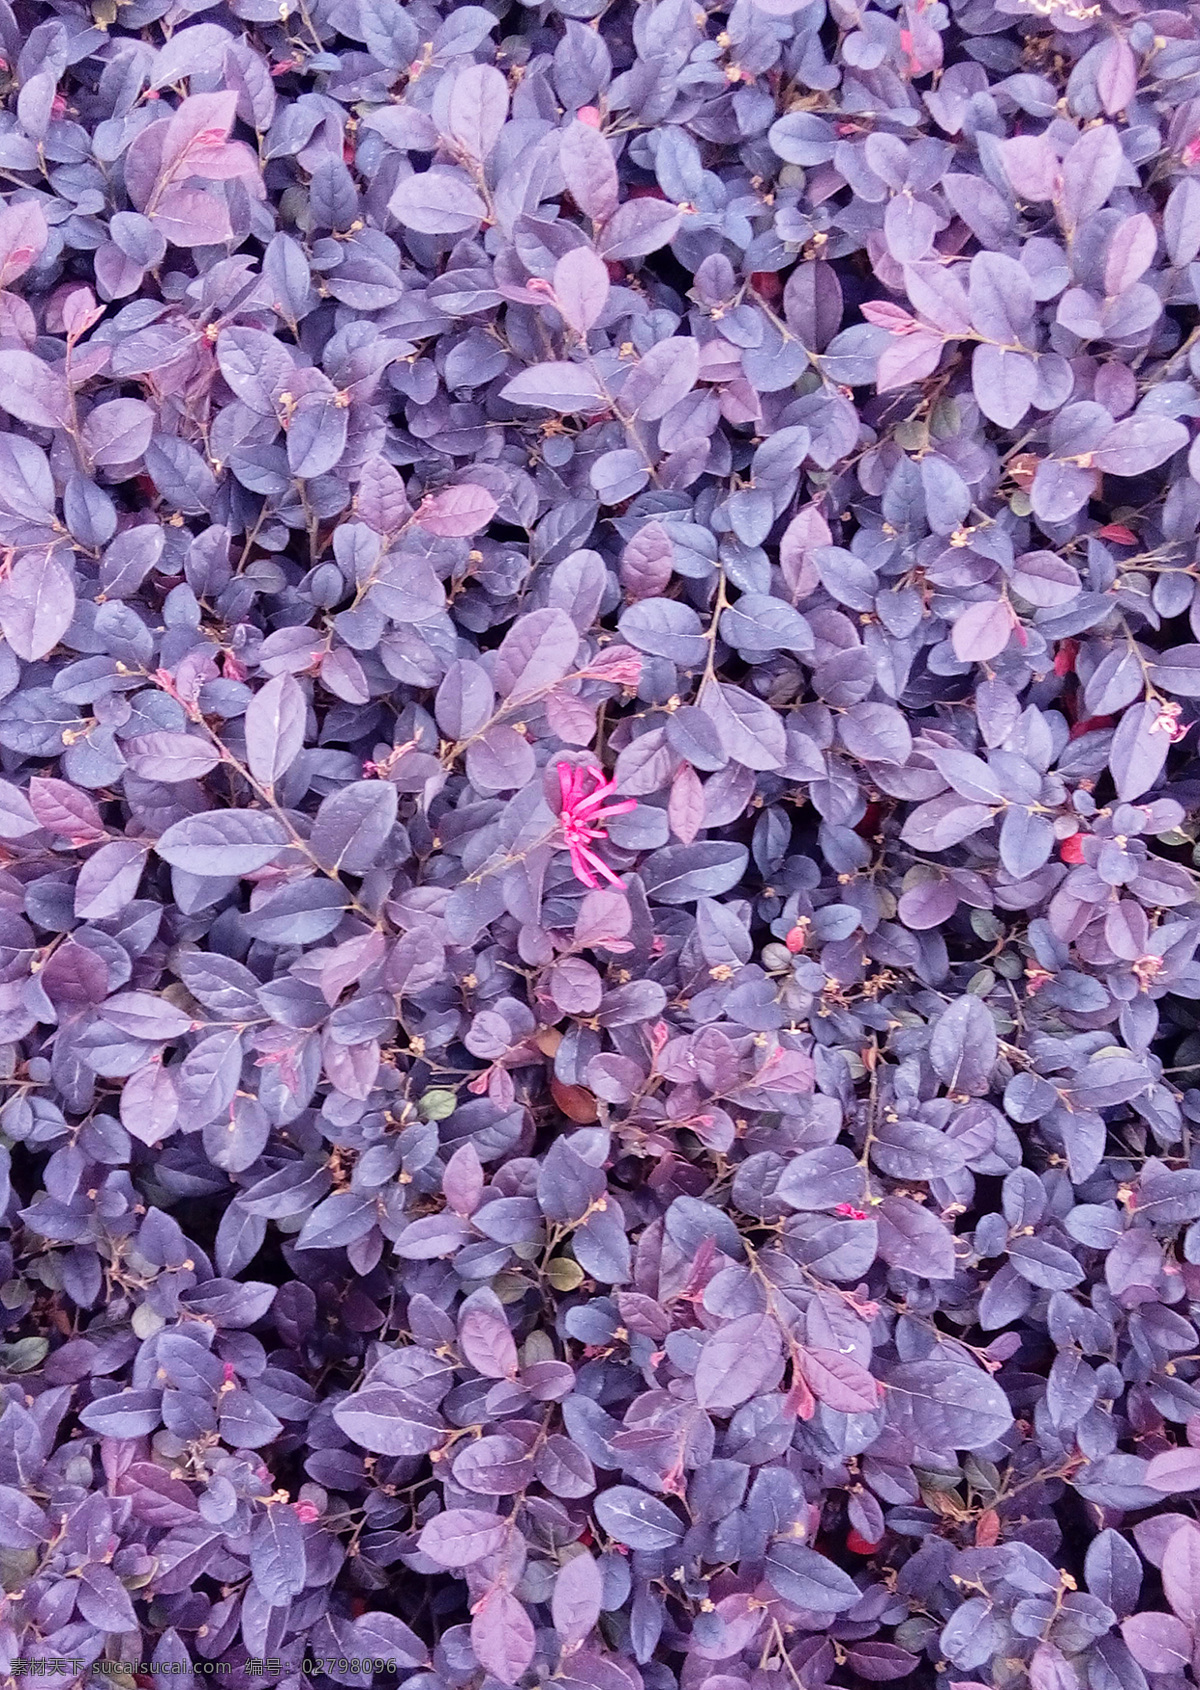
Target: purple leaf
[
  {"x": 1090, "y": 172},
  {"x": 982, "y": 631},
  {"x": 589, "y": 170},
  {"x": 638, "y": 228},
  {"x": 439, "y": 202},
  {"x": 738, "y": 1361},
  {"x": 555, "y": 387},
  {"x": 537, "y": 651},
  {"x": 275, "y": 723},
  {"x": 1174, "y": 1470},
  {"x": 462, "y": 1536},
  {"x": 808, "y": 1581},
  {"x": 1181, "y": 1574},
  {"x": 909, "y": 358},
  {"x": 477, "y": 108},
  {"x": 1158, "y": 1642},
  {"x": 1117, "y": 77},
  {"x": 1001, "y": 297},
  {"x": 457, "y": 511},
  {"x": 33, "y": 391},
  {"x": 1032, "y": 166},
  {"x": 1139, "y": 749},
  {"x": 1138, "y": 444},
  {"x": 502, "y": 1636},
  {"x": 1004, "y": 383},
  {"x": 909, "y": 226},
  {"x": 840, "y": 1381},
  {"x": 117, "y": 433},
  {"x": 37, "y": 602},
  {"x": 580, "y": 288},
  {"x": 485, "y": 1339},
  {"x": 171, "y": 757},
  {"x": 640, "y": 1521},
  {"x": 223, "y": 842},
  {"x": 576, "y": 1600}
]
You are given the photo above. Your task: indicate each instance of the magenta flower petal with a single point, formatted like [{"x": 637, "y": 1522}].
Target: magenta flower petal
[
  {"x": 620, "y": 809},
  {"x": 580, "y": 869},
  {"x": 600, "y": 866},
  {"x": 598, "y": 796},
  {"x": 581, "y": 819}
]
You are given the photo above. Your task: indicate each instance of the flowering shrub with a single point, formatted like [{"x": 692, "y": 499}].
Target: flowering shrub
[{"x": 597, "y": 913}]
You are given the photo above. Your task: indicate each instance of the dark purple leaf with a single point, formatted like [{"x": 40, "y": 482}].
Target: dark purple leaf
[
  {"x": 555, "y": 387},
  {"x": 440, "y": 202},
  {"x": 738, "y": 1361},
  {"x": 37, "y": 602},
  {"x": 462, "y": 1536},
  {"x": 502, "y": 1636},
  {"x": 576, "y": 1601},
  {"x": 223, "y": 842},
  {"x": 640, "y": 1521},
  {"x": 809, "y": 1581}
]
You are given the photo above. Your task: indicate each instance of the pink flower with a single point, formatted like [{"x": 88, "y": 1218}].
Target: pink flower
[
  {"x": 1167, "y": 721},
  {"x": 622, "y": 667},
  {"x": 580, "y": 818}
]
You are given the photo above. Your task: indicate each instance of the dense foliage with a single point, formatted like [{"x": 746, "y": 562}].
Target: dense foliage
[{"x": 597, "y": 918}]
